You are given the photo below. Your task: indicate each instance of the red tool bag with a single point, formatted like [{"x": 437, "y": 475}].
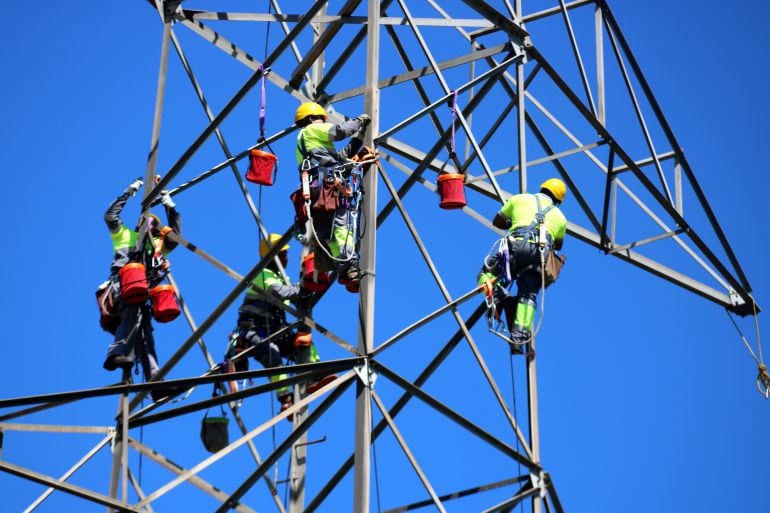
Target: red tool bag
[
  {"x": 133, "y": 283},
  {"x": 261, "y": 166},
  {"x": 164, "y": 305}
]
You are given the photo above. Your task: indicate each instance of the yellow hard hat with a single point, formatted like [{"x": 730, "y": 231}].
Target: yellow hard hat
[
  {"x": 555, "y": 187},
  {"x": 274, "y": 238},
  {"x": 309, "y": 109}
]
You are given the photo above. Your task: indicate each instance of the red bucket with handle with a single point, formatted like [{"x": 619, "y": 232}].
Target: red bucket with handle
[
  {"x": 133, "y": 283},
  {"x": 164, "y": 305},
  {"x": 451, "y": 188},
  {"x": 261, "y": 166}
]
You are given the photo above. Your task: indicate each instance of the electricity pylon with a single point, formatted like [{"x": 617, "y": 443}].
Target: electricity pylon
[{"x": 502, "y": 96}]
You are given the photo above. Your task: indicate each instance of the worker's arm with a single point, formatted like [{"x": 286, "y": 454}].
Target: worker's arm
[
  {"x": 112, "y": 215},
  {"x": 354, "y": 128},
  {"x": 557, "y": 244},
  {"x": 502, "y": 222}
]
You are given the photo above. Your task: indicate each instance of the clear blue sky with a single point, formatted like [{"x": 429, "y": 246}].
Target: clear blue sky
[{"x": 647, "y": 398}]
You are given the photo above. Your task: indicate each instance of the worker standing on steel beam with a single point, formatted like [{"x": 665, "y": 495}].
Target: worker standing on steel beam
[
  {"x": 536, "y": 228},
  {"x": 327, "y": 202},
  {"x": 137, "y": 268},
  {"x": 260, "y": 321}
]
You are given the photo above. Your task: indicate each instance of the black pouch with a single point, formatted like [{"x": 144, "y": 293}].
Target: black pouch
[{"x": 214, "y": 434}]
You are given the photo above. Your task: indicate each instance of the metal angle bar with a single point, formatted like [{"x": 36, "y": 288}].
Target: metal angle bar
[
  {"x": 90, "y": 454},
  {"x": 607, "y": 191},
  {"x": 647, "y": 161},
  {"x": 329, "y": 18},
  {"x": 177, "y": 469},
  {"x": 184, "y": 476},
  {"x": 53, "y": 428},
  {"x": 77, "y": 491},
  {"x": 515, "y": 31},
  {"x": 531, "y": 17},
  {"x": 231, "y": 104},
  {"x": 297, "y": 377},
  {"x": 218, "y": 311},
  {"x": 138, "y": 490},
  {"x": 298, "y": 431},
  {"x": 508, "y": 505},
  {"x": 396, "y": 409},
  {"x": 408, "y": 453},
  {"x": 239, "y": 54},
  {"x": 642, "y": 242},
  {"x": 417, "y": 324},
  {"x": 578, "y": 58},
  {"x": 678, "y": 149},
  {"x": 229, "y": 162},
  {"x": 440, "y": 407},
  {"x": 404, "y": 55},
  {"x": 537, "y": 162},
  {"x": 638, "y": 110},
  {"x": 321, "y": 43},
  {"x": 460, "y": 494},
  {"x": 600, "y": 89},
  {"x": 552, "y": 492},
  {"x": 487, "y": 75},
  {"x": 287, "y": 30},
  {"x": 659, "y": 270},
  {"x": 414, "y": 74},
  {"x": 559, "y": 82}
]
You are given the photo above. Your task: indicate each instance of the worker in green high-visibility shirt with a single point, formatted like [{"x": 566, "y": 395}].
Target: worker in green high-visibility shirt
[
  {"x": 259, "y": 319},
  {"x": 536, "y": 226},
  {"x": 333, "y": 207}
]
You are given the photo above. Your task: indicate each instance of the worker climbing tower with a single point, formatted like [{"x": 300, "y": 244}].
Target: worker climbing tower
[{"x": 470, "y": 102}]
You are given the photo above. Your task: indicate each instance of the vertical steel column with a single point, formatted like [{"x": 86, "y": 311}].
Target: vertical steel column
[
  {"x": 521, "y": 113},
  {"x": 120, "y": 449},
  {"x": 298, "y": 453},
  {"x": 601, "y": 109},
  {"x": 363, "y": 435}
]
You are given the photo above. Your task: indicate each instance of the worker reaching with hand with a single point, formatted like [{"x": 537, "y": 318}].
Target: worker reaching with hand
[
  {"x": 262, "y": 324},
  {"x": 148, "y": 259},
  {"x": 326, "y": 175},
  {"x": 536, "y": 227}
]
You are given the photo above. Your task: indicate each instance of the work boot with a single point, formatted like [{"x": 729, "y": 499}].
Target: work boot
[
  {"x": 318, "y": 384},
  {"x": 303, "y": 339},
  {"x": 350, "y": 277},
  {"x": 287, "y": 401},
  {"x": 114, "y": 361}
]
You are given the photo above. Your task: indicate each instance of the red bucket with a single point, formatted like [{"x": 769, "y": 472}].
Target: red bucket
[
  {"x": 133, "y": 283},
  {"x": 261, "y": 165},
  {"x": 164, "y": 305},
  {"x": 452, "y": 191}
]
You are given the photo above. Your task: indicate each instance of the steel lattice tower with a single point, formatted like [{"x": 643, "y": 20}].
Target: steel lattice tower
[{"x": 505, "y": 96}]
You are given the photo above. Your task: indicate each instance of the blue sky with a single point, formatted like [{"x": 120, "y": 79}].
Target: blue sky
[{"x": 647, "y": 398}]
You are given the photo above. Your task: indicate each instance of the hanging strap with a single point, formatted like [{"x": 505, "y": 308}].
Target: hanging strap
[{"x": 453, "y": 108}]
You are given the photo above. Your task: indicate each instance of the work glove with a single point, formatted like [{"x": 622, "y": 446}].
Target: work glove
[
  {"x": 135, "y": 186},
  {"x": 365, "y": 120},
  {"x": 165, "y": 200}
]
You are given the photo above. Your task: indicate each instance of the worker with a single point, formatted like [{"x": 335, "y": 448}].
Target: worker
[
  {"x": 333, "y": 204},
  {"x": 258, "y": 319},
  {"x": 134, "y": 333},
  {"x": 526, "y": 247}
]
